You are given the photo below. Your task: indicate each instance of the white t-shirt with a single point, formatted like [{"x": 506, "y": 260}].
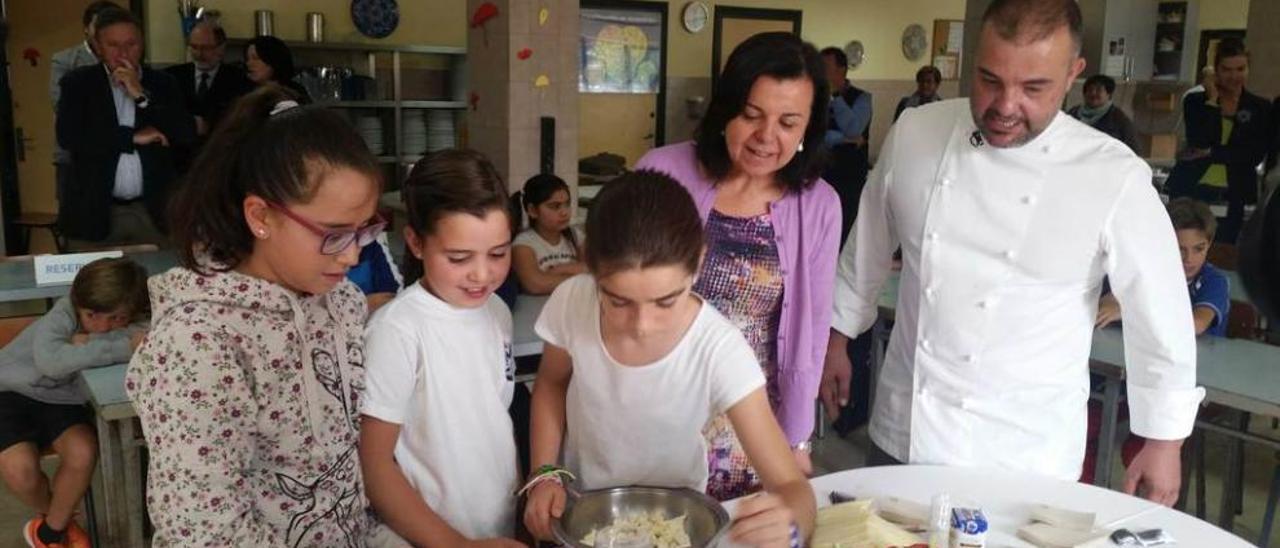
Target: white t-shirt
[
  {"x": 549, "y": 255},
  {"x": 643, "y": 425},
  {"x": 446, "y": 376}
]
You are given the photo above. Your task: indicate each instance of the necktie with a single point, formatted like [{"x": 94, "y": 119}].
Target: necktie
[{"x": 203, "y": 88}]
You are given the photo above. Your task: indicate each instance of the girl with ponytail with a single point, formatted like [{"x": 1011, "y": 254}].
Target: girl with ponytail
[{"x": 249, "y": 384}]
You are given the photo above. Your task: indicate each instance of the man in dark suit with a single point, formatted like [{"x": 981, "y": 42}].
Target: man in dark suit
[
  {"x": 209, "y": 86},
  {"x": 118, "y": 121}
]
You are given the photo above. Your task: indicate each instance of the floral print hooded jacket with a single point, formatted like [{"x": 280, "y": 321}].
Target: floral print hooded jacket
[{"x": 248, "y": 396}]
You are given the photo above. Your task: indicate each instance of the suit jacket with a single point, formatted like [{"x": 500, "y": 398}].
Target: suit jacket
[
  {"x": 60, "y": 64},
  {"x": 89, "y": 130},
  {"x": 1247, "y": 145},
  {"x": 228, "y": 85}
]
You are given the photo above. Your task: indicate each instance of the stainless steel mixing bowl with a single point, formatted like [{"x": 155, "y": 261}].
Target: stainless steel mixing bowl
[{"x": 706, "y": 520}]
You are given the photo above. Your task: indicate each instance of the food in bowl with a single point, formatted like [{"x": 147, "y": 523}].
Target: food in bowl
[{"x": 649, "y": 529}]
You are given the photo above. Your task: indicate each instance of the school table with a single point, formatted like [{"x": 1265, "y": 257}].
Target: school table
[
  {"x": 1006, "y": 498},
  {"x": 18, "y": 278}
]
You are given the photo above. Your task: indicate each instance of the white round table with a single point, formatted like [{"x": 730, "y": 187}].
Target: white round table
[{"x": 1005, "y": 497}]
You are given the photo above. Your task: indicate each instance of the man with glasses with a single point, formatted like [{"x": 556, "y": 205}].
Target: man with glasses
[{"x": 209, "y": 86}]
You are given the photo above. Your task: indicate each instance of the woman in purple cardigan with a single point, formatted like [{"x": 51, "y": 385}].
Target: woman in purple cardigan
[{"x": 773, "y": 229}]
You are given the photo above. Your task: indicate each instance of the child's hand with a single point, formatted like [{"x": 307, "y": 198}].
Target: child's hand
[
  {"x": 546, "y": 503},
  {"x": 137, "y": 339},
  {"x": 1108, "y": 311},
  {"x": 762, "y": 521},
  {"x": 80, "y": 338},
  {"x": 495, "y": 543}
]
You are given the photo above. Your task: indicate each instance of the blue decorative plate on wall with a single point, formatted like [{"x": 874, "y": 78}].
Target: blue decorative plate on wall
[{"x": 375, "y": 18}]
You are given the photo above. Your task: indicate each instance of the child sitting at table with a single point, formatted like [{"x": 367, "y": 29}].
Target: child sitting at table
[
  {"x": 99, "y": 323},
  {"x": 436, "y": 442},
  {"x": 635, "y": 365},
  {"x": 550, "y": 250},
  {"x": 1210, "y": 293},
  {"x": 1195, "y": 225}
]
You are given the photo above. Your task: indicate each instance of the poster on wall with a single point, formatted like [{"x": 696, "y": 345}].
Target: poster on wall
[{"x": 619, "y": 51}]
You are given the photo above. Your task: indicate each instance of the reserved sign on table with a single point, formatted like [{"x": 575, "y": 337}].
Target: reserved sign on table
[{"x": 62, "y": 269}]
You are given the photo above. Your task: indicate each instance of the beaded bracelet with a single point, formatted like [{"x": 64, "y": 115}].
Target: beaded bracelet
[{"x": 546, "y": 472}]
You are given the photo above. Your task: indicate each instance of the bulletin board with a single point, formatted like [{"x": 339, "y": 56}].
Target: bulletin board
[{"x": 948, "y": 46}]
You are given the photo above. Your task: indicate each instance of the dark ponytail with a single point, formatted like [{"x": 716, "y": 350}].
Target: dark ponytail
[
  {"x": 263, "y": 148},
  {"x": 537, "y": 190},
  {"x": 445, "y": 182}
]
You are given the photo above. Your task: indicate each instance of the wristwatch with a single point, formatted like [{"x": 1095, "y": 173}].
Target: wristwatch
[{"x": 142, "y": 100}]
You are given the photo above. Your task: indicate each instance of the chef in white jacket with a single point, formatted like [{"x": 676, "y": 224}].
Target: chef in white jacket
[{"x": 1010, "y": 214}]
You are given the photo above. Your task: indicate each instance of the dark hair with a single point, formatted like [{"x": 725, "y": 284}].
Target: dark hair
[
  {"x": 113, "y": 16},
  {"x": 275, "y": 53},
  {"x": 837, "y": 55},
  {"x": 1188, "y": 214},
  {"x": 108, "y": 285},
  {"x": 92, "y": 10},
  {"x": 929, "y": 70},
  {"x": 279, "y": 157},
  {"x": 779, "y": 55},
  {"x": 1108, "y": 83},
  {"x": 1035, "y": 20},
  {"x": 446, "y": 182},
  {"x": 642, "y": 219},
  {"x": 1229, "y": 47},
  {"x": 537, "y": 190}
]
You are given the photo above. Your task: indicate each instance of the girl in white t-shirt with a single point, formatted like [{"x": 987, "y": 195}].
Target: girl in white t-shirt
[
  {"x": 635, "y": 365},
  {"x": 549, "y": 251},
  {"x": 436, "y": 442}
]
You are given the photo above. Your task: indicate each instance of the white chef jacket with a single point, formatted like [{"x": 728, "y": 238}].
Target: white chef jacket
[{"x": 1004, "y": 253}]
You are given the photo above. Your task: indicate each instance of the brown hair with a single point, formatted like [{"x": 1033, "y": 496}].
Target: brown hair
[
  {"x": 1034, "y": 20},
  {"x": 449, "y": 181},
  {"x": 1188, "y": 214},
  {"x": 643, "y": 219},
  {"x": 279, "y": 157},
  {"x": 108, "y": 285}
]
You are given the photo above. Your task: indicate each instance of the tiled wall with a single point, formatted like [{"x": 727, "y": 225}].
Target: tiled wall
[{"x": 504, "y": 122}]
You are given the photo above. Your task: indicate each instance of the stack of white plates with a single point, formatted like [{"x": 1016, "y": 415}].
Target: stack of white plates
[
  {"x": 414, "y": 128},
  {"x": 370, "y": 128},
  {"x": 440, "y": 130}
]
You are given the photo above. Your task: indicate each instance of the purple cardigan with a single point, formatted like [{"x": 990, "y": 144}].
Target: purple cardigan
[{"x": 807, "y": 225}]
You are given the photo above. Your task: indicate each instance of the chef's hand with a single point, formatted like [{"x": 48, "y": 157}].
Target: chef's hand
[
  {"x": 137, "y": 338},
  {"x": 80, "y": 338},
  {"x": 1108, "y": 311},
  {"x": 1156, "y": 473},
  {"x": 762, "y": 521},
  {"x": 545, "y": 504},
  {"x": 837, "y": 373}
]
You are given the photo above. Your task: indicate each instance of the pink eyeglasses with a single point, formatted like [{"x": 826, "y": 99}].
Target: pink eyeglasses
[{"x": 335, "y": 241}]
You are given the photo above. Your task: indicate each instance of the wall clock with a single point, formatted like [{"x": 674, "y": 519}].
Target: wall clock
[{"x": 695, "y": 16}]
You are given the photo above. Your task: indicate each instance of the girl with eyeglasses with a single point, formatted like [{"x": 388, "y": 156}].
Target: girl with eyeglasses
[
  {"x": 436, "y": 442},
  {"x": 249, "y": 384}
]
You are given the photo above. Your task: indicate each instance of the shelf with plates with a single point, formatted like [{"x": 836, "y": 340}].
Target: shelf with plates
[{"x": 404, "y": 100}]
